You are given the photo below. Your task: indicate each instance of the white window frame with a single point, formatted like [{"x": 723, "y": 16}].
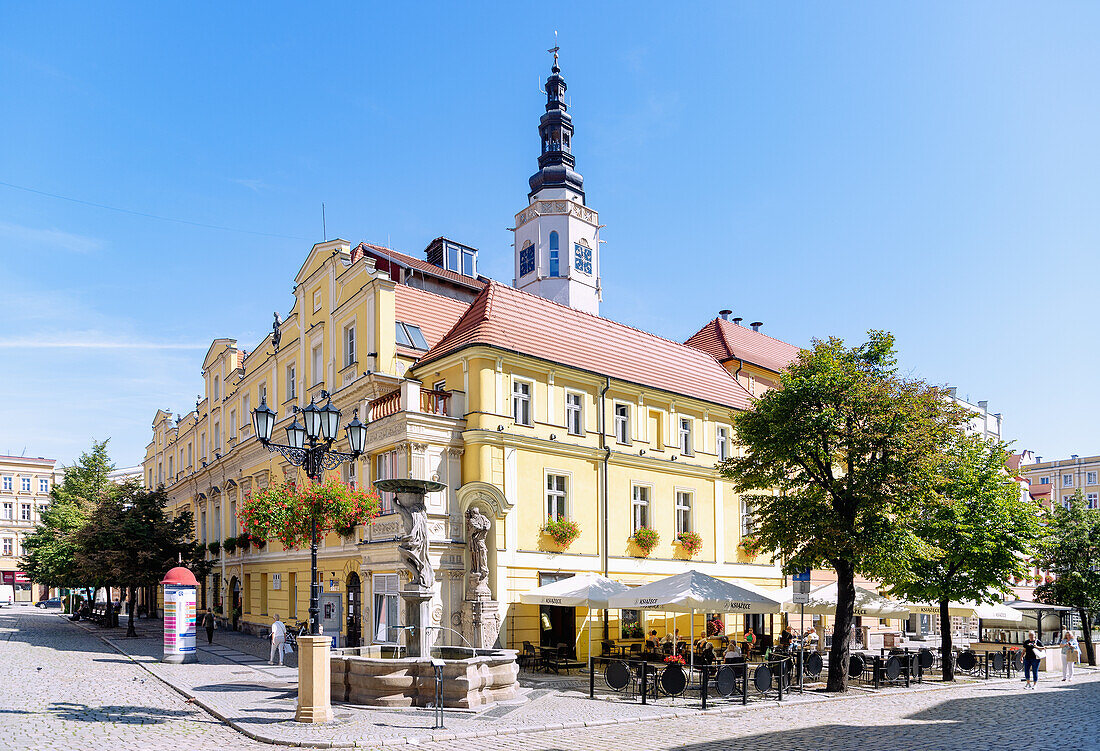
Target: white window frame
[
  {"x": 349, "y": 345},
  {"x": 747, "y": 527},
  {"x": 9, "y": 511},
  {"x": 686, "y": 433},
  {"x": 1044, "y": 481},
  {"x": 555, "y": 496},
  {"x": 8, "y": 548},
  {"x": 217, "y": 435},
  {"x": 1067, "y": 481},
  {"x": 25, "y": 484},
  {"x": 386, "y": 467},
  {"x": 640, "y": 507},
  {"x": 316, "y": 299},
  {"x": 722, "y": 443},
  {"x": 525, "y": 400},
  {"x": 232, "y": 423},
  {"x": 43, "y": 485},
  {"x": 8, "y": 483},
  {"x": 291, "y": 382},
  {"x": 26, "y": 514},
  {"x": 217, "y": 388},
  {"x": 1090, "y": 478},
  {"x": 684, "y": 511},
  {"x": 621, "y": 422},
  {"x": 317, "y": 362},
  {"x": 385, "y": 601},
  {"x": 1092, "y": 500},
  {"x": 574, "y": 413}
]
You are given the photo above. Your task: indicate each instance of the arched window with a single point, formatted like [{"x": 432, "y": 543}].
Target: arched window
[{"x": 555, "y": 266}]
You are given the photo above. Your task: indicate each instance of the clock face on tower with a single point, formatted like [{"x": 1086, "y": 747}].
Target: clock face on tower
[{"x": 582, "y": 258}]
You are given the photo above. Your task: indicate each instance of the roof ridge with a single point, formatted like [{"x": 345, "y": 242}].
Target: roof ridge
[{"x": 760, "y": 333}]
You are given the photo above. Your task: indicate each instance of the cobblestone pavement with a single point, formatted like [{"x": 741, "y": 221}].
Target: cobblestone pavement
[{"x": 65, "y": 688}]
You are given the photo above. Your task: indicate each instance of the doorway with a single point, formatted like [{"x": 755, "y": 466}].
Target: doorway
[
  {"x": 355, "y": 610},
  {"x": 235, "y": 611},
  {"x": 557, "y": 625}
]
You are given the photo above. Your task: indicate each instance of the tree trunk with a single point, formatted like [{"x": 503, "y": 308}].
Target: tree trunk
[
  {"x": 947, "y": 665},
  {"x": 840, "y": 652},
  {"x": 131, "y": 606},
  {"x": 1086, "y": 634}
]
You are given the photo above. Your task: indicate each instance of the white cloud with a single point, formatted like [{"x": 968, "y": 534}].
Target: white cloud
[{"x": 53, "y": 238}]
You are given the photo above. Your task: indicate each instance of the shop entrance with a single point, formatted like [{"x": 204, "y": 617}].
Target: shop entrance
[
  {"x": 557, "y": 625},
  {"x": 355, "y": 611}
]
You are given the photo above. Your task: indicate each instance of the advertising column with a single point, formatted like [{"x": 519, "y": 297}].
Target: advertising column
[{"x": 180, "y": 586}]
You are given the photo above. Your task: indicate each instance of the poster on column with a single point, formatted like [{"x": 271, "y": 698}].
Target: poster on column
[{"x": 179, "y": 623}]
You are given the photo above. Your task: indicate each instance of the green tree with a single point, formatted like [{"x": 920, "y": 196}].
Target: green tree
[
  {"x": 131, "y": 541},
  {"x": 1070, "y": 549},
  {"x": 50, "y": 552},
  {"x": 850, "y": 450},
  {"x": 977, "y": 537}
]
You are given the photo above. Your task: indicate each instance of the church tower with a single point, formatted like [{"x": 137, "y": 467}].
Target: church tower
[{"x": 557, "y": 237}]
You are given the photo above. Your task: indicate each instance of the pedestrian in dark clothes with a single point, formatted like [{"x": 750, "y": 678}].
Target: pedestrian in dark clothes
[{"x": 208, "y": 624}]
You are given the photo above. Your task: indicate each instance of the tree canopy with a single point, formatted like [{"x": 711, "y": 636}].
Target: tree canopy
[
  {"x": 839, "y": 462},
  {"x": 976, "y": 536},
  {"x": 1070, "y": 549}
]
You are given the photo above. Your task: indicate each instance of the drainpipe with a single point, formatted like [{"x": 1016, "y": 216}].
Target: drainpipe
[{"x": 603, "y": 491}]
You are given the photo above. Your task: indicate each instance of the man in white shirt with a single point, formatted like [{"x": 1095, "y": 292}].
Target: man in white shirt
[{"x": 278, "y": 638}]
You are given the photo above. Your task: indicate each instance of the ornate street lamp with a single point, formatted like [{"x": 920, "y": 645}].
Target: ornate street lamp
[{"x": 319, "y": 430}]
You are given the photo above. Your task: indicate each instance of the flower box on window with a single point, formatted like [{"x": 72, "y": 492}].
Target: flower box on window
[
  {"x": 691, "y": 542},
  {"x": 646, "y": 539},
  {"x": 562, "y": 531}
]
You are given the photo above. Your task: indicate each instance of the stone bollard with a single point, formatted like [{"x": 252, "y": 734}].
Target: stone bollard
[{"x": 314, "y": 687}]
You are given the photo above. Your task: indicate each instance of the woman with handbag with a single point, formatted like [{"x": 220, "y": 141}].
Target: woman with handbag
[
  {"x": 1071, "y": 653},
  {"x": 1032, "y": 651}
]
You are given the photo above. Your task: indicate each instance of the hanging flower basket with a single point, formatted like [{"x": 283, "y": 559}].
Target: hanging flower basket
[
  {"x": 750, "y": 546},
  {"x": 691, "y": 542},
  {"x": 562, "y": 531},
  {"x": 286, "y": 513},
  {"x": 346, "y": 531},
  {"x": 214, "y": 547},
  {"x": 646, "y": 539},
  {"x": 230, "y": 544}
]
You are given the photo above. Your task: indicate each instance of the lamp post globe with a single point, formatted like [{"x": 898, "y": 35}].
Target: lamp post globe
[
  {"x": 311, "y": 416},
  {"x": 357, "y": 434},
  {"x": 296, "y": 434},
  {"x": 330, "y": 420},
  {"x": 263, "y": 420}
]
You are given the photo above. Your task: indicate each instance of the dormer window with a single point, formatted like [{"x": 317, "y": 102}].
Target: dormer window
[
  {"x": 582, "y": 257},
  {"x": 411, "y": 336},
  {"x": 527, "y": 259},
  {"x": 460, "y": 260}
]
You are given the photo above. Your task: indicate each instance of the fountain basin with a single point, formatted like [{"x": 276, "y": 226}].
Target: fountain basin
[{"x": 469, "y": 682}]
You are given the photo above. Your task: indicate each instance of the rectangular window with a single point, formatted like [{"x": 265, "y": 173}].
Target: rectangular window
[
  {"x": 1066, "y": 499},
  {"x": 25, "y": 484},
  {"x": 527, "y": 260},
  {"x": 409, "y": 335},
  {"x": 7, "y": 484},
  {"x": 44, "y": 485},
  {"x": 640, "y": 507},
  {"x": 385, "y": 468},
  {"x": 1090, "y": 478},
  {"x": 582, "y": 258},
  {"x": 468, "y": 263},
  {"x": 316, "y": 300},
  {"x": 686, "y": 446},
  {"x": 25, "y": 512},
  {"x": 349, "y": 345},
  {"x": 555, "y": 263},
  {"x": 386, "y": 622},
  {"x": 723, "y": 444},
  {"x": 622, "y": 423},
  {"x": 202, "y": 520},
  {"x": 521, "y": 402},
  {"x": 190, "y": 456},
  {"x": 683, "y": 511},
  {"x": 1091, "y": 499},
  {"x": 556, "y": 496},
  {"x": 293, "y": 594},
  {"x": 171, "y": 474},
  {"x": 574, "y": 416},
  {"x": 232, "y": 423},
  {"x": 318, "y": 373},
  {"x": 1067, "y": 481},
  {"x": 746, "y": 518},
  {"x": 452, "y": 258},
  {"x": 8, "y": 511},
  {"x": 7, "y": 547},
  {"x": 217, "y": 388},
  {"x": 217, "y": 437},
  {"x": 1044, "y": 481},
  {"x": 631, "y": 625},
  {"x": 291, "y": 383}
]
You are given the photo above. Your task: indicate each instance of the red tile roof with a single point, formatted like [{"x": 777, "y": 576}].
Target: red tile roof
[
  {"x": 423, "y": 266},
  {"x": 725, "y": 340},
  {"x": 434, "y": 314},
  {"x": 521, "y": 322}
]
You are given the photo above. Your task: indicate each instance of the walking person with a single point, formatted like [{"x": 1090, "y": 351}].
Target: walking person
[
  {"x": 208, "y": 624},
  {"x": 1032, "y": 652},
  {"x": 1071, "y": 653},
  {"x": 278, "y": 639}
]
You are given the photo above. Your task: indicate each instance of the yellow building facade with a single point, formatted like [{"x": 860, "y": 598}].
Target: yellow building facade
[{"x": 25, "y": 485}]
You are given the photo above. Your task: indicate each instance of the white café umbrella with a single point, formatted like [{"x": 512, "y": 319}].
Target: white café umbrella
[
  {"x": 691, "y": 591},
  {"x": 822, "y": 601},
  {"x": 587, "y": 590}
]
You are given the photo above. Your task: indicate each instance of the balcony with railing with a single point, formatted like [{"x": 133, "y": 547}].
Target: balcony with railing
[{"x": 410, "y": 397}]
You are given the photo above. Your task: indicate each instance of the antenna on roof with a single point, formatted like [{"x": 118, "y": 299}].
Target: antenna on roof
[{"x": 324, "y": 225}]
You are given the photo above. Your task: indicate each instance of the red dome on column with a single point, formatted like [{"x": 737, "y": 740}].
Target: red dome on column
[{"x": 180, "y": 576}]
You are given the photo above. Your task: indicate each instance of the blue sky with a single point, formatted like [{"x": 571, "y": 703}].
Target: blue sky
[{"x": 825, "y": 168}]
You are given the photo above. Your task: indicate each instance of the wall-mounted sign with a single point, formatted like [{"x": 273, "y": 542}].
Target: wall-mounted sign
[{"x": 276, "y": 581}]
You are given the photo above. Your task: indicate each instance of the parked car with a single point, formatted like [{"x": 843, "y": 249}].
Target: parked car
[{"x": 53, "y": 602}]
